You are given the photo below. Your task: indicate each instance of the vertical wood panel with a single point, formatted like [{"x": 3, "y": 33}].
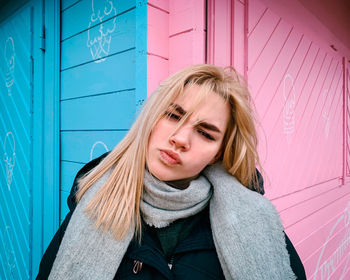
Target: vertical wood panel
[
  {"x": 187, "y": 33},
  {"x": 16, "y": 133},
  {"x": 176, "y": 37},
  {"x": 346, "y": 89},
  {"x": 157, "y": 43}
]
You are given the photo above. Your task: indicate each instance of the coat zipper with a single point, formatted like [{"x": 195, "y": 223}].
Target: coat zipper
[{"x": 170, "y": 264}]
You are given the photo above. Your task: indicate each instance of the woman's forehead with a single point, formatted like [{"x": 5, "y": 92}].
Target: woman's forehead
[
  {"x": 210, "y": 107},
  {"x": 195, "y": 96}
]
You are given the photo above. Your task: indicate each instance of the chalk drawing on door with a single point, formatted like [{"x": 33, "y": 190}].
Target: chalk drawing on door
[
  {"x": 10, "y": 55},
  {"x": 9, "y": 157},
  {"x": 99, "y": 37},
  {"x": 289, "y": 106},
  {"x": 335, "y": 256},
  {"x": 10, "y": 255},
  {"x": 325, "y": 116},
  {"x": 98, "y": 148}
]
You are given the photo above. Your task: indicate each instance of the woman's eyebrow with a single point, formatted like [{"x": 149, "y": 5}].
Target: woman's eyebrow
[
  {"x": 203, "y": 124},
  {"x": 209, "y": 126},
  {"x": 178, "y": 108}
]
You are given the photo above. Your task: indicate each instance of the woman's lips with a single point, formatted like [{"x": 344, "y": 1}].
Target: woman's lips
[{"x": 170, "y": 157}]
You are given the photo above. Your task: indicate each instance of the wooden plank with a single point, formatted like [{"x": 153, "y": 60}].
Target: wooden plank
[
  {"x": 15, "y": 142},
  {"x": 10, "y": 252},
  {"x": 273, "y": 65},
  {"x": 108, "y": 111},
  {"x": 238, "y": 37},
  {"x": 220, "y": 53},
  {"x": 157, "y": 71},
  {"x": 332, "y": 202},
  {"x": 290, "y": 200},
  {"x": 256, "y": 12},
  {"x": 316, "y": 167},
  {"x": 157, "y": 32},
  {"x": 68, "y": 172},
  {"x": 330, "y": 258},
  {"x": 88, "y": 13},
  {"x": 300, "y": 131},
  {"x": 181, "y": 51},
  {"x": 305, "y": 209},
  {"x": 328, "y": 131},
  {"x": 83, "y": 146},
  {"x": 312, "y": 243},
  {"x": 260, "y": 36},
  {"x": 68, "y": 3},
  {"x": 272, "y": 46},
  {"x": 18, "y": 192},
  {"x": 285, "y": 129},
  {"x": 160, "y": 4},
  {"x": 284, "y": 87},
  {"x": 311, "y": 113},
  {"x": 186, "y": 15},
  {"x": 92, "y": 45},
  {"x": 187, "y": 35},
  {"x": 116, "y": 73},
  {"x": 333, "y": 248},
  {"x": 17, "y": 246},
  {"x": 320, "y": 237}
]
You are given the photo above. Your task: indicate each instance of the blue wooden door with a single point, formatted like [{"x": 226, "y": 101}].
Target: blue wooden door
[
  {"x": 16, "y": 144},
  {"x": 103, "y": 79}
]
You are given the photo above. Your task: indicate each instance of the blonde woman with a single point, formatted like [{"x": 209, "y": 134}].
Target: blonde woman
[{"x": 179, "y": 197}]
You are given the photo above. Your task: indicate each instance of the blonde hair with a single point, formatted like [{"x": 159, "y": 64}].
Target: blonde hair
[{"x": 116, "y": 206}]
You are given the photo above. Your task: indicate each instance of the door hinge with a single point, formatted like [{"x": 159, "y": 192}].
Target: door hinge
[{"x": 42, "y": 37}]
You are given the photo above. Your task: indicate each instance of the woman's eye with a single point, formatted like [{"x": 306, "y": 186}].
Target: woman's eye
[
  {"x": 173, "y": 116},
  {"x": 206, "y": 135}
]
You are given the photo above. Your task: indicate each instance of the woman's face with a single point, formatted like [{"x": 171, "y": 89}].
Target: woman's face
[{"x": 197, "y": 143}]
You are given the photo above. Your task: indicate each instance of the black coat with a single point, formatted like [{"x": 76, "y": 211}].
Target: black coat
[{"x": 194, "y": 257}]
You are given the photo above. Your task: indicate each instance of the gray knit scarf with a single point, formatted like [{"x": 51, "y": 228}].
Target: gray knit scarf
[{"x": 247, "y": 230}]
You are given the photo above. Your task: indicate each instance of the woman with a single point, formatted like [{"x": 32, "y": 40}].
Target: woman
[{"x": 178, "y": 197}]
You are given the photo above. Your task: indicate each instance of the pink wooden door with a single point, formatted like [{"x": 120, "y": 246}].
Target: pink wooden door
[{"x": 299, "y": 83}]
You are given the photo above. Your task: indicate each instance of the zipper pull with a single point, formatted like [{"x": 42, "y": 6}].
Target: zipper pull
[
  {"x": 170, "y": 264},
  {"x": 137, "y": 267}
]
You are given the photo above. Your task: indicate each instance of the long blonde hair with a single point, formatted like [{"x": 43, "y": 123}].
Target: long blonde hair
[{"x": 116, "y": 206}]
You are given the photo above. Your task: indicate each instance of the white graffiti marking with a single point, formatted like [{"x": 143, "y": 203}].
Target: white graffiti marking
[
  {"x": 9, "y": 157},
  {"x": 10, "y": 64},
  {"x": 340, "y": 258},
  {"x": 10, "y": 255},
  {"x": 288, "y": 108},
  {"x": 99, "y": 38},
  {"x": 93, "y": 149}
]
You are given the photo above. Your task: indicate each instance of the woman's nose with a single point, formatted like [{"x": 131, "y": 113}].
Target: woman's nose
[{"x": 181, "y": 138}]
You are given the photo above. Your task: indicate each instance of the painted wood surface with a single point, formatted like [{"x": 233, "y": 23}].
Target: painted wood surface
[
  {"x": 176, "y": 37},
  {"x": 157, "y": 43},
  {"x": 300, "y": 87},
  {"x": 84, "y": 15},
  {"x": 97, "y": 78},
  {"x": 101, "y": 75},
  {"x": 296, "y": 83},
  {"x": 16, "y": 145}
]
